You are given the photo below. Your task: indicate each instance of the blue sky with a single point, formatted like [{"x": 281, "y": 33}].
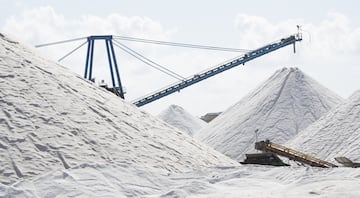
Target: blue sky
[{"x": 330, "y": 56}]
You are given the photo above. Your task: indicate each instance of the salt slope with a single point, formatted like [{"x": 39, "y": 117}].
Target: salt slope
[
  {"x": 51, "y": 118},
  {"x": 179, "y": 118},
  {"x": 279, "y": 108},
  {"x": 335, "y": 134},
  {"x": 106, "y": 180}
]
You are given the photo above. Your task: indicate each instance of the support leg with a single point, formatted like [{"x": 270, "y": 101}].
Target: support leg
[
  {"x": 91, "y": 58},
  {"x": 110, "y": 64},
  {"x": 87, "y": 58},
  {"x": 117, "y": 70}
]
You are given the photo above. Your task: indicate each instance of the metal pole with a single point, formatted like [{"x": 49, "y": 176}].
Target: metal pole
[
  {"x": 91, "y": 57},
  {"x": 87, "y": 58},
  {"x": 117, "y": 70},
  {"x": 256, "y": 135},
  {"x": 110, "y": 64},
  {"x": 294, "y": 48}
]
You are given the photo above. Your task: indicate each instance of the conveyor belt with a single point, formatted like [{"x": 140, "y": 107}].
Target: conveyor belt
[
  {"x": 218, "y": 69},
  {"x": 292, "y": 154}
]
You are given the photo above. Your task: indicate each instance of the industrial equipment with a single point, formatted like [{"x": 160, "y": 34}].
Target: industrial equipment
[
  {"x": 117, "y": 88},
  {"x": 292, "y": 154}
]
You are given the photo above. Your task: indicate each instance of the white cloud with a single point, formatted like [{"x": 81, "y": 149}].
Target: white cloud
[
  {"x": 34, "y": 25},
  {"x": 330, "y": 57},
  {"x": 328, "y": 52},
  {"x": 44, "y": 24},
  {"x": 334, "y": 34}
]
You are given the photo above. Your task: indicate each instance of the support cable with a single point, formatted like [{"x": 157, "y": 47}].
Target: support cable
[
  {"x": 59, "y": 42},
  {"x": 180, "y": 44},
  {"x": 158, "y": 42},
  {"x": 148, "y": 61},
  {"x": 72, "y": 51},
  {"x": 158, "y": 65}
]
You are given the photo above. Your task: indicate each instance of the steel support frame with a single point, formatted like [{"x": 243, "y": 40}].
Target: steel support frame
[{"x": 111, "y": 58}]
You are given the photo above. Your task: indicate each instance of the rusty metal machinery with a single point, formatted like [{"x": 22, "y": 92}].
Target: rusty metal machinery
[{"x": 292, "y": 154}]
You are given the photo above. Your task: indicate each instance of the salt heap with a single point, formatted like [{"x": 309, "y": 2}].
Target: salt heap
[
  {"x": 277, "y": 110},
  {"x": 51, "y": 118},
  {"x": 177, "y": 117},
  {"x": 335, "y": 134}
]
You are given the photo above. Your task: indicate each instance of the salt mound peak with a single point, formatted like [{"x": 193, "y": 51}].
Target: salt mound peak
[
  {"x": 179, "y": 118},
  {"x": 277, "y": 110},
  {"x": 51, "y": 118},
  {"x": 336, "y": 134}
]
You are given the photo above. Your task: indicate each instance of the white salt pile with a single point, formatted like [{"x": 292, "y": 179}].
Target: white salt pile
[
  {"x": 51, "y": 119},
  {"x": 60, "y": 136},
  {"x": 177, "y": 117},
  {"x": 277, "y": 110},
  {"x": 336, "y": 134}
]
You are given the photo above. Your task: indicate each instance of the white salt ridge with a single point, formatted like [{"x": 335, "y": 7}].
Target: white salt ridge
[
  {"x": 51, "y": 118},
  {"x": 335, "y": 134},
  {"x": 179, "y": 118},
  {"x": 122, "y": 180},
  {"x": 279, "y": 108}
]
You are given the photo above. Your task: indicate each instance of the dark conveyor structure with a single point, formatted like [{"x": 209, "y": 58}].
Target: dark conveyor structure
[
  {"x": 218, "y": 69},
  {"x": 292, "y": 154},
  {"x": 117, "y": 88}
]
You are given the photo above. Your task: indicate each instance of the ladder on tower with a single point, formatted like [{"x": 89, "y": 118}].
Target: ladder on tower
[{"x": 292, "y": 154}]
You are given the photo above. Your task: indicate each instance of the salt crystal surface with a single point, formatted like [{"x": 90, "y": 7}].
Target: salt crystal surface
[
  {"x": 277, "y": 110},
  {"x": 178, "y": 117},
  {"x": 51, "y": 118},
  {"x": 336, "y": 134}
]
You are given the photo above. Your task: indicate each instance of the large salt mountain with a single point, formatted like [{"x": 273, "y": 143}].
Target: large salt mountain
[
  {"x": 277, "y": 110},
  {"x": 51, "y": 118},
  {"x": 177, "y": 117},
  {"x": 335, "y": 134}
]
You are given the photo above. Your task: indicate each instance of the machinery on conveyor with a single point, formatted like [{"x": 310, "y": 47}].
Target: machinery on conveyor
[
  {"x": 267, "y": 158},
  {"x": 347, "y": 162}
]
